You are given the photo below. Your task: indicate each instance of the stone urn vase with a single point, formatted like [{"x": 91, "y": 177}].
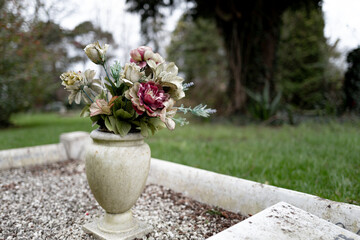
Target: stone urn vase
[{"x": 116, "y": 169}]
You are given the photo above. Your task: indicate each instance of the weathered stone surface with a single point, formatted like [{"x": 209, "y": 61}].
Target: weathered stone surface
[
  {"x": 75, "y": 144},
  {"x": 32, "y": 155},
  {"x": 284, "y": 221},
  {"x": 247, "y": 197},
  {"x": 139, "y": 232}
]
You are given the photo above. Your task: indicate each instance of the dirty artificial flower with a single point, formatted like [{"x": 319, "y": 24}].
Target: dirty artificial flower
[
  {"x": 96, "y": 53},
  {"x": 69, "y": 78},
  {"x": 85, "y": 89},
  {"x": 165, "y": 74},
  {"x": 100, "y": 106},
  {"x": 167, "y": 113},
  {"x": 147, "y": 97},
  {"x": 138, "y": 55},
  {"x": 142, "y": 55},
  {"x": 132, "y": 73}
]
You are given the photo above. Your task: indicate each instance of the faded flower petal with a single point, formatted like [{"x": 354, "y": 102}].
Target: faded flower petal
[
  {"x": 81, "y": 86},
  {"x": 167, "y": 113},
  {"x": 100, "y": 106},
  {"x": 149, "y": 54},
  {"x": 78, "y": 97},
  {"x": 96, "y": 53},
  {"x": 132, "y": 73},
  {"x": 70, "y": 78},
  {"x": 157, "y": 58},
  {"x": 165, "y": 74},
  {"x": 143, "y": 54}
]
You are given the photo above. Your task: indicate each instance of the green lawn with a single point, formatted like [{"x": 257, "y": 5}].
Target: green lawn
[{"x": 320, "y": 159}]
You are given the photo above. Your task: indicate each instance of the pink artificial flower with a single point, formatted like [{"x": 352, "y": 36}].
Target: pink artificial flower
[
  {"x": 148, "y": 97},
  {"x": 142, "y": 54},
  {"x": 138, "y": 55}
]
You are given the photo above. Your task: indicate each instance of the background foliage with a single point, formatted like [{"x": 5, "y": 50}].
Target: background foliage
[
  {"x": 352, "y": 81},
  {"x": 34, "y": 53},
  {"x": 198, "y": 51},
  {"x": 305, "y": 74},
  {"x": 291, "y": 56}
]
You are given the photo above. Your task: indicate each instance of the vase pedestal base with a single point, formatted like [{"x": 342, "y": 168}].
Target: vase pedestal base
[{"x": 141, "y": 230}]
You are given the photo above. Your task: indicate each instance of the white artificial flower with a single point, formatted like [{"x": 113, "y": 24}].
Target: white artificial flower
[
  {"x": 96, "y": 53},
  {"x": 131, "y": 73}
]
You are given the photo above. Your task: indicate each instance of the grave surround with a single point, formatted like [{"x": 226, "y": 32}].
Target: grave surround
[
  {"x": 230, "y": 193},
  {"x": 283, "y": 221}
]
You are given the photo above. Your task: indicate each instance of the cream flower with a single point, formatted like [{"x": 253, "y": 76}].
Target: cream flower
[
  {"x": 167, "y": 113},
  {"x": 165, "y": 74},
  {"x": 86, "y": 88},
  {"x": 131, "y": 73},
  {"x": 96, "y": 53},
  {"x": 70, "y": 78}
]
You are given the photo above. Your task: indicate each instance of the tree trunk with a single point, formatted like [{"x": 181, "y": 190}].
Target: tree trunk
[{"x": 251, "y": 31}]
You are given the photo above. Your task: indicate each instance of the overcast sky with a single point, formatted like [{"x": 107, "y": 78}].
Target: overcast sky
[{"x": 342, "y": 21}]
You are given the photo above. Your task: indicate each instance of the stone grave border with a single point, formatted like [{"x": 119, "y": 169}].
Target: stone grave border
[{"x": 231, "y": 193}]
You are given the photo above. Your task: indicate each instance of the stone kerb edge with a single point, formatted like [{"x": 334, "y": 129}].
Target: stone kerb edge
[
  {"x": 19, "y": 157},
  {"x": 247, "y": 197},
  {"x": 71, "y": 146}
]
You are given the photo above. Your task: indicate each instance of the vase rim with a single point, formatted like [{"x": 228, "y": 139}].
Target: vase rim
[{"x": 109, "y": 136}]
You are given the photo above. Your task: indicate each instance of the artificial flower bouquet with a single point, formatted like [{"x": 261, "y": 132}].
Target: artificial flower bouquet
[{"x": 139, "y": 96}]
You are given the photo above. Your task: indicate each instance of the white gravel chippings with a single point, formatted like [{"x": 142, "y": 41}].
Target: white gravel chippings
[{"x": 53, "y": 201}]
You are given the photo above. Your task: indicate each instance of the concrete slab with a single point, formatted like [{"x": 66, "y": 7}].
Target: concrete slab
[
  {"x": 32, "y": 155},
  {"x": 282, "y": 222},
  {"x": 247, "y": 197}
]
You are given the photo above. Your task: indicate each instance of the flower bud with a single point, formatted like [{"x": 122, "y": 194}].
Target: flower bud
[{"x": 96, "y": 53}]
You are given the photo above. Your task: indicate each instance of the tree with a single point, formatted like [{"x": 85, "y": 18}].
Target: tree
[
  {"x": 303, "y": 62},
  {"x": 250, "y": 30},
  {"x": 352, "y": 81},
  {"x": 34, "y": 53},
  {"x": 198, "y": 51}
]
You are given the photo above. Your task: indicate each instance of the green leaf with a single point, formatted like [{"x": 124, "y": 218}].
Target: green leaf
[
  {"x": 123, "y": 114},
  {"x": 152, "y": 128},
  {"x": 123, "y": 127},
  {"x": 157, "y": 123},
  {"x": 85, "y": 111},
  {"x": 108, "y": 124},
  {"x": 95, "y": 118},
  {"x": 144, "y": 129},
  {"x": 113, "y": 124},
  {"x": 129, "y": 107},
  {"x": 255, "y": 96},
  {"x": 110, "y": 89}
]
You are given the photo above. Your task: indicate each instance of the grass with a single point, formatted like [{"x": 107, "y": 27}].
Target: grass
[
  {"x": 320, "y": 159},
  {"x": 39, "y": 129}
]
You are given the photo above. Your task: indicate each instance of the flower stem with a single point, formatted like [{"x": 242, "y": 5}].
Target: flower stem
[
  {"x": 87, "y": 95},
  {"x": 109, "y": 80}
]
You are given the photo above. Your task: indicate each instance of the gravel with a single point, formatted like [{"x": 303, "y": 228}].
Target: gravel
[{"x": 53, "y": 202}]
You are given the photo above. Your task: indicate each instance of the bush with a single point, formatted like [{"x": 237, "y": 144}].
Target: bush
[{"x": 352, "y": 81}]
